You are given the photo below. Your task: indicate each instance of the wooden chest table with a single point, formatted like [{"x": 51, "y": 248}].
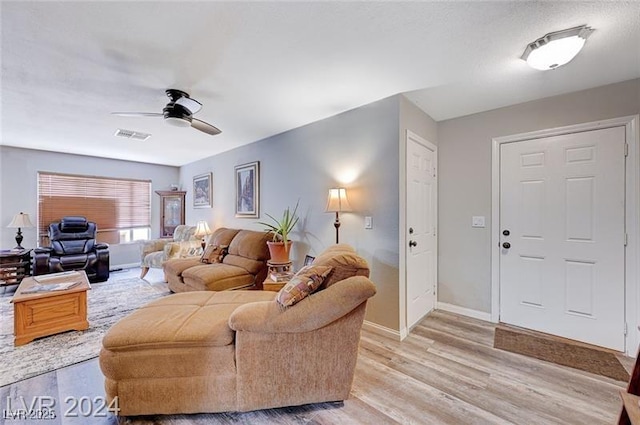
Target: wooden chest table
[{"x": 49, "y": 312}]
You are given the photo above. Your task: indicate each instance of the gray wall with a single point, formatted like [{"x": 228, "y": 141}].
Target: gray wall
[
  {"x": 18, "y": 189},
  {"x": 357, "y": 149},
  {"x": 464, "y": 186}
]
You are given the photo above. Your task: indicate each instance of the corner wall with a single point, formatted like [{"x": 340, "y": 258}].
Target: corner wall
[
  {"x": 19, "y": 190},
  {"x": 464, "y": 186},
  {"x": 357, "y": 149}
]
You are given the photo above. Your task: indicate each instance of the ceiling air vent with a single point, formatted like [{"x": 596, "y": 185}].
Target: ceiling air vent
[{"x": 130, "y": 134}]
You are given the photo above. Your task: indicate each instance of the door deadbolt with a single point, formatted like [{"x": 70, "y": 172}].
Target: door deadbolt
[
  {"x": 411, "y": 230},
  {"x": 506, "y": 232},
  {"x": 506, "y": 245}
]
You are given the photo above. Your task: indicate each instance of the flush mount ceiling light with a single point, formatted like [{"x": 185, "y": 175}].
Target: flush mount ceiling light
[{"x": 556, "y": 48}]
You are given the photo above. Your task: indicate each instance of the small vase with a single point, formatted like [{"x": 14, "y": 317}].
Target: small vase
[{"x": 278, "y": 252}]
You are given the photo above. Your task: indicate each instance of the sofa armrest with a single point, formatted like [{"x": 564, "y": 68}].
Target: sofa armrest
[
  {"x": 314, "y": 312},
  {"x": 41, "y": 257}
]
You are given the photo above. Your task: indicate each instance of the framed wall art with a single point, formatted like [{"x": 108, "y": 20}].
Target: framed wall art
[
  {"x": 248, "y": 190},
  {"x": 202, "y": 191}
]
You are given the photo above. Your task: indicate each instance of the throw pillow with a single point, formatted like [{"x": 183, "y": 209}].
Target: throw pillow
[
  {"x": 214, "y": 254},
  {"x": 302, "y": 284}
]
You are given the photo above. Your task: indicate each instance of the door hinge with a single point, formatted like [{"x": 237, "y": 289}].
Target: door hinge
[
  {"x": 625, "y": 329},
  {"x": 626, "y": 239},
  {"x": 626, "y": 149}
]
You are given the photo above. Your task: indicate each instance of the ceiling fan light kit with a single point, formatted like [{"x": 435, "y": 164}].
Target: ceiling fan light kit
[
  {"x": 556, "y": 48},
  {"x": 178, "y": 112}
]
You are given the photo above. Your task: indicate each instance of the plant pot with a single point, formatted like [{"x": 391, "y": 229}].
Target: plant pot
[{"x": 278, "y": 252}]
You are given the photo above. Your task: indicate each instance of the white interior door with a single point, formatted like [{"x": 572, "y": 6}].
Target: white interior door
[
  {"x": 562, "y": 232},
  {"x": 421, "y": 228}
]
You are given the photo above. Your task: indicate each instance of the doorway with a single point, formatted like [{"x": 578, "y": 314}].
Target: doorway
[
  {"x": 561, "y": 222},
  {"x": 421, "y": 228}
]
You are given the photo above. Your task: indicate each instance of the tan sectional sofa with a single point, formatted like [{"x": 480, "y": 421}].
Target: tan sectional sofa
[
  {"x": 207, "y": 351},
  {"x": 244, "y": 266}
]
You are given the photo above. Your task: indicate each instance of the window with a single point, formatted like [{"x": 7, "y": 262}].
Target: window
[{"x": 121, "y": 208}]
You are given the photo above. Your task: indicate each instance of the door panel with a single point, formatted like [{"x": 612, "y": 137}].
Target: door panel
[
  {"x": 421, "y": 230},
  {"x": 562, "y": 199}
]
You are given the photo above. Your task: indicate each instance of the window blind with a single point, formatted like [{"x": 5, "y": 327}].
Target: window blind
[{"x": 113, "y": 204}]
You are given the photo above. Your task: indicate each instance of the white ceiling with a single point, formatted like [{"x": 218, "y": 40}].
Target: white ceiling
[{"x": 261, "y": 68}]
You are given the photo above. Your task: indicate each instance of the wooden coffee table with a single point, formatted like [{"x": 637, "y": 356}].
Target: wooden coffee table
[{"x": 50, "y": 312}]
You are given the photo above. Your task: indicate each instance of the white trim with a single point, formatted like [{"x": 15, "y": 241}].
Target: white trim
[
  {"x": 476, "y": 314},
  {"x": 124, "y": 266},
  {"x": 411, "y": 136},
  {"x": 381, "y": 330},
  {"x": 632, "y": 214}
]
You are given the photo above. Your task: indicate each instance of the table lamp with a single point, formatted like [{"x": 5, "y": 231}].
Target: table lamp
[
  {"x": 19, "y": 221},
  {"x": 202, "y": 230}
]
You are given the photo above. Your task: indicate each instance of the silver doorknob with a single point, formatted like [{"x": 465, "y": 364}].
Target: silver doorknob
[{"x": 413, "y": 243}]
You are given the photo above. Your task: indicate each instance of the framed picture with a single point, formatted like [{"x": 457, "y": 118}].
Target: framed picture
[
  {"x": 308, "y": 260},
  {"x": 202, "y": 191},
  {"x": 248, "y": 190}
]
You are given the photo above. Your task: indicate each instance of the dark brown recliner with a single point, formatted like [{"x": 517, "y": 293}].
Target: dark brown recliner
[{"x": 73, "y": 247}]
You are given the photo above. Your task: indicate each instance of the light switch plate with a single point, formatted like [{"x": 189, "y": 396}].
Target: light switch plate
[
  {"x": 477, "y": 221},
  {"x": 368, "y": 222}
]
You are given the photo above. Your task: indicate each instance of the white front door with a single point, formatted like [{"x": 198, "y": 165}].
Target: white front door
[
  {"x": 421, "y": 228},
  {"x": 562, "y": 236}
]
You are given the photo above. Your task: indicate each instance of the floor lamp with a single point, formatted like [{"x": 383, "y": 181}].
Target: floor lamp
[{"x": 337, "y": 203}]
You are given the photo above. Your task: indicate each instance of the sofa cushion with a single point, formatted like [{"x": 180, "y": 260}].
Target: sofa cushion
[
  {"x": 249, "y": 251},
  {"x": 222, "y": 236},
  {"x": 345, "y": 263},
  {"x": 302, "y": 284},
  {"x": 216, "y": 277},
  {"x": 192, "y": 319},
  {"x": 250, "y": 244},
  {"x": 176, "y": 266}
]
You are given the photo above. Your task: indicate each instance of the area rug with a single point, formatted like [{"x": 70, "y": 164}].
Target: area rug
[
  {"x": 107, "y": 303},
  {"x": 560, "y": 351}
]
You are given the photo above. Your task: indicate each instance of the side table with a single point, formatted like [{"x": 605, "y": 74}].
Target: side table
[
  {"x": 271, "y": 285},
  {"x": 15, "y": 265}
]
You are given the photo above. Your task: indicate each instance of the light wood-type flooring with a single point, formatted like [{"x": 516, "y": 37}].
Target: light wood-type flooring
[{"x": 445, "y": 372}]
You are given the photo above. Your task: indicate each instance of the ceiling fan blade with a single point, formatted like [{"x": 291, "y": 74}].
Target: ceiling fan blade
[
  {"x": 204, "y": 127},
  {"x": 191, "y": 104},
  {"x": 138, "y": 114}
]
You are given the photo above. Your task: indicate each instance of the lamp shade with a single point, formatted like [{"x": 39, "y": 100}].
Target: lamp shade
[
  {"x": 556, "y": 48},
  {"x": 20, "y": 220},
  {"x": 337, "y": 200},
  {"x": 202, "y": 229}
]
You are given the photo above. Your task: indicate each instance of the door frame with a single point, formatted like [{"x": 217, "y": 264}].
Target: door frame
[
  {"x": 403, "y": 241},
  {"x": 632, "y": 215}
]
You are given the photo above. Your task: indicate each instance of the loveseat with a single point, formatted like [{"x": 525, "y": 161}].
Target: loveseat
[
  {"x": 209, "y": 351},
  {"x": 154, "y": 252},
  {"x": 243, "y": 264}
]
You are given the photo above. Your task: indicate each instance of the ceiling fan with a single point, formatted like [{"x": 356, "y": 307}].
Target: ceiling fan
[{"x": 179, "y": 112}]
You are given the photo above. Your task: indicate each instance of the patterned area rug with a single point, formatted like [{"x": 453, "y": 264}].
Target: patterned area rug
[{"x": 107, "y": 303}]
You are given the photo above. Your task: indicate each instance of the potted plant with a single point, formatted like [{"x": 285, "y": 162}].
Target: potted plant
[{"x": 280, "y": 245}]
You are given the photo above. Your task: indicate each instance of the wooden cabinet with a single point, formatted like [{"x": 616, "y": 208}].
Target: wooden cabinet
[
  {"x": 171, "y": 211},
  {"x": 14, "y": 266}
]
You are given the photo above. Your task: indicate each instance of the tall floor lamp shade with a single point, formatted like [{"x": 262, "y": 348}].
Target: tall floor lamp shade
[
  {"x": 20, "y": 220},
  {"x": 337, "y": 202}
]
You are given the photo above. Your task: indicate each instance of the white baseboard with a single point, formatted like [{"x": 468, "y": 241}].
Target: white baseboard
[
  {"x": 481, "y": 315},
  {"x": 381, "y": 330},
  {"x": 124, "y": 266}
]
